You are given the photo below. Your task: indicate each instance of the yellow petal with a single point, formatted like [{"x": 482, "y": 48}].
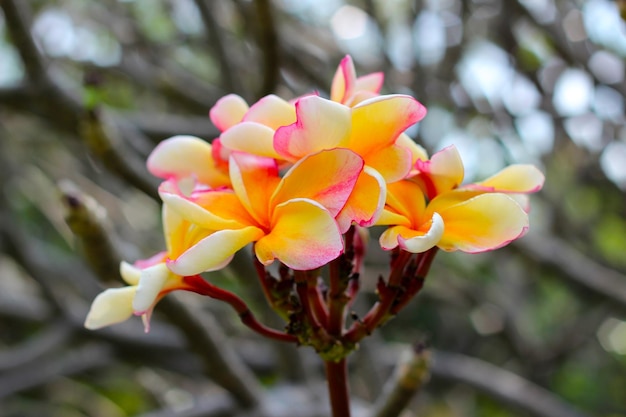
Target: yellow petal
[
  {"x": 214, "y": 210},
  {"x": 254, "y": 180},
  {"x": 250, "y": 137},
  {"x": 392, "y": 162},
  {"x": 366, "y": 203},
  {"x": 482, "y": 223},
  {"x": 377, "y": 122},
  {"x": 271, "y": 111},
  {"x": 322, "y": 124},
  {"x": 186, "y": 156},
  {"x": 110, "y": 307},
  {"x": 417, "y": 151},
  {"x": 214, "y": 251},
  {"x": 407, "y": 199},
  {"x": 304, "y": 236},
  {"x": 327, "y": 177},
  {"x": 389, "y": 217},
  {"x": 513, "y": 179},
  {"x": 228, "y": 111}
]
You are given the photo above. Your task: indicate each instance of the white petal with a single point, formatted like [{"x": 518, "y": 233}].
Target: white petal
[
  {"x": 110, "y": 307},
  {"x": 228, "y": 111},
  {"x": 420, "y": 244},
  {"x": 151, "y": 283}
]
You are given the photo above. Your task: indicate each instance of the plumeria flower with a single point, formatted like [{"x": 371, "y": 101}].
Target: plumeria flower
[
  {"x": 291, "y": 219},
  {"x": 148, "y": 280},
  {"x": 370, "y": 129},
  {"x": 349, "y": 89},
  {"x": 432, "y": 209}
]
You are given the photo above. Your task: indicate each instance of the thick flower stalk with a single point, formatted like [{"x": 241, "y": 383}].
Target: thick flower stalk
[{"x": 301, "y": 182}]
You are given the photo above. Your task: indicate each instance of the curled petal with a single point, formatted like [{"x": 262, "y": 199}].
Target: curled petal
[
  {"x": 335, "y": 173},
  {"x": 130, "y": 274},
  {"x": 413, "y": 239},
  {"x": 366, "y": 202},
  {"x": 418, "y": 241},
  {"x": 271, "y": 111},
  {"x": 443, "y": 172},
  {"x": 112, "y": 306},
  {"x": 214, "y": 251},
  {"x": 482, "y": 223},
  {"x": 513, "y": 179},
  {"x": 250, "y": 137},
  {"x": 392, "y": 162},
  {"x": 321, "y": 124},
  {"x": 304, "y": 236},
  {"x": 228, "y": 111},
  {"x": 186, "y": 156},
  {"x": 377, "y": 122},
  {"x": 151, "y": 283}
]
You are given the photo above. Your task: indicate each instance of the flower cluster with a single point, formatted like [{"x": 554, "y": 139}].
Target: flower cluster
[{"x": 296, "y": 179}]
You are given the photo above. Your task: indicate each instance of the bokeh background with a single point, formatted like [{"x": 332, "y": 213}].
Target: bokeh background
[{"x": 88, "y": 88}]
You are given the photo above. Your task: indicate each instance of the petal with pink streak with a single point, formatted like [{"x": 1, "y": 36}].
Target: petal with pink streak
[
  {"x": 343, "y": 81},
  {"x": 214, "y": 251},
  {"x": 327, "y": 177},
  {"x": 250, "y": 137},
  {"x": 392, "y": 162},
  {"x": 228, "y": 111},
  {"x": 517, "y": 178},
  {"x": 443, "y": 172},
  {"x": 482, "y": 223},
  {"x": 321, "y": 124},
  {"x": 377, "y": 122},
  {"x": 186, "y": 156},
  {"x": 304, "y": 236},
  {"x": 254, "y": 180},
  {"x": 366, "y": 202},
  {"x": 271, "y": 111}
]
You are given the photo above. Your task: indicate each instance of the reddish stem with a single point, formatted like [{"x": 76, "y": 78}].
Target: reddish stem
[
  {"x": 198, "y": 285},
  {"x": 310, "y": 299},
  {"x": 338, "y": 391},
  {"x": 387, "y": 293},
  {"x": 337, "y": 299}
]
